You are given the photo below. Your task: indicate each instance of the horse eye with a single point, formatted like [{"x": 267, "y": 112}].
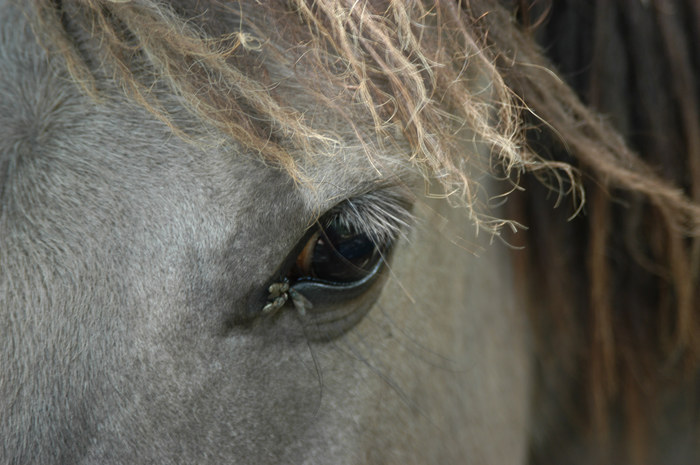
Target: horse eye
[
  {"x": 337, "y": 253},
  {"x": 334, "y": 275}
]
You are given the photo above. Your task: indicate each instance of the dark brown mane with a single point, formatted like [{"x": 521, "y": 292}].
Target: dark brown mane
[
  {"x": 633, "y": 294},
  {"x": 616, "y": 289}
]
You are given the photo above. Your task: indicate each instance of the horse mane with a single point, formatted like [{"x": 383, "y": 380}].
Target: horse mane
[
  {"x": 633, "y": 300},
  {"x": 412, "y": 68}
]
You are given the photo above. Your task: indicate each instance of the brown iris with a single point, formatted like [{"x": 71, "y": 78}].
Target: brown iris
[{"x": 337, "y": 253}]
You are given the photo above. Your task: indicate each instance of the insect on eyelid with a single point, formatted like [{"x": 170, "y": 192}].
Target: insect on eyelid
[
  {"x": 300, "y": 302},
  {"x": 278, "y": 295}
]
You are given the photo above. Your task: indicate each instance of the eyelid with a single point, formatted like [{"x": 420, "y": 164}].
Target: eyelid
[
  {"x": 382, "y": 214},
  {"x": 309, "y": 287},
  {"x": 325, "y": 320}
]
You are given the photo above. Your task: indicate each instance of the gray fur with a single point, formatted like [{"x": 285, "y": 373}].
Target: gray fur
[{"x": 128, "y": 257}]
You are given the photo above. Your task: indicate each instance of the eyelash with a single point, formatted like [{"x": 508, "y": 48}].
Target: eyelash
[{"x": 381, "y": 215}]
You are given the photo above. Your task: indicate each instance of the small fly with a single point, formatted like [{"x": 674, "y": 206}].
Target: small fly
[{"x": 278, "y": 295}]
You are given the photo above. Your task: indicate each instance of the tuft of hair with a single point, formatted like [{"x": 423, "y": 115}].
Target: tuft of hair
[
  {"x": 624, "y": 322},
  {"x": 412, "y": 67}
]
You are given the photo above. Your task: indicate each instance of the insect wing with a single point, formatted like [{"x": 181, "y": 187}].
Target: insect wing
[{"x": 301, "y": 303}]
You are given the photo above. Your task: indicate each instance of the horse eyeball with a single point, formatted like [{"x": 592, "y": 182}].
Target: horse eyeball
[
  {"x": 337, "y": 253},
  {"x": 303, "y": 261}
]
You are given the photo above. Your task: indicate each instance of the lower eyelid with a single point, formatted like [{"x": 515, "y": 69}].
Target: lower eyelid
[{"x": 337, "y": 309}]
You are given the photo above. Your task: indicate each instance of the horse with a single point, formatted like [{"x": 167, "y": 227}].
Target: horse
[{"x": 349, "y": 232}]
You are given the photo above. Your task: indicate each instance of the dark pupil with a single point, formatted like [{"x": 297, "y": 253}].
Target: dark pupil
[{"x": 343, "y": 255}]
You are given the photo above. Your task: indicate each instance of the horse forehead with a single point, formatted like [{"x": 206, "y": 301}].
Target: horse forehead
[
  {"x": 41, "y": 105},
  {"x": 121, "y": 166}
]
